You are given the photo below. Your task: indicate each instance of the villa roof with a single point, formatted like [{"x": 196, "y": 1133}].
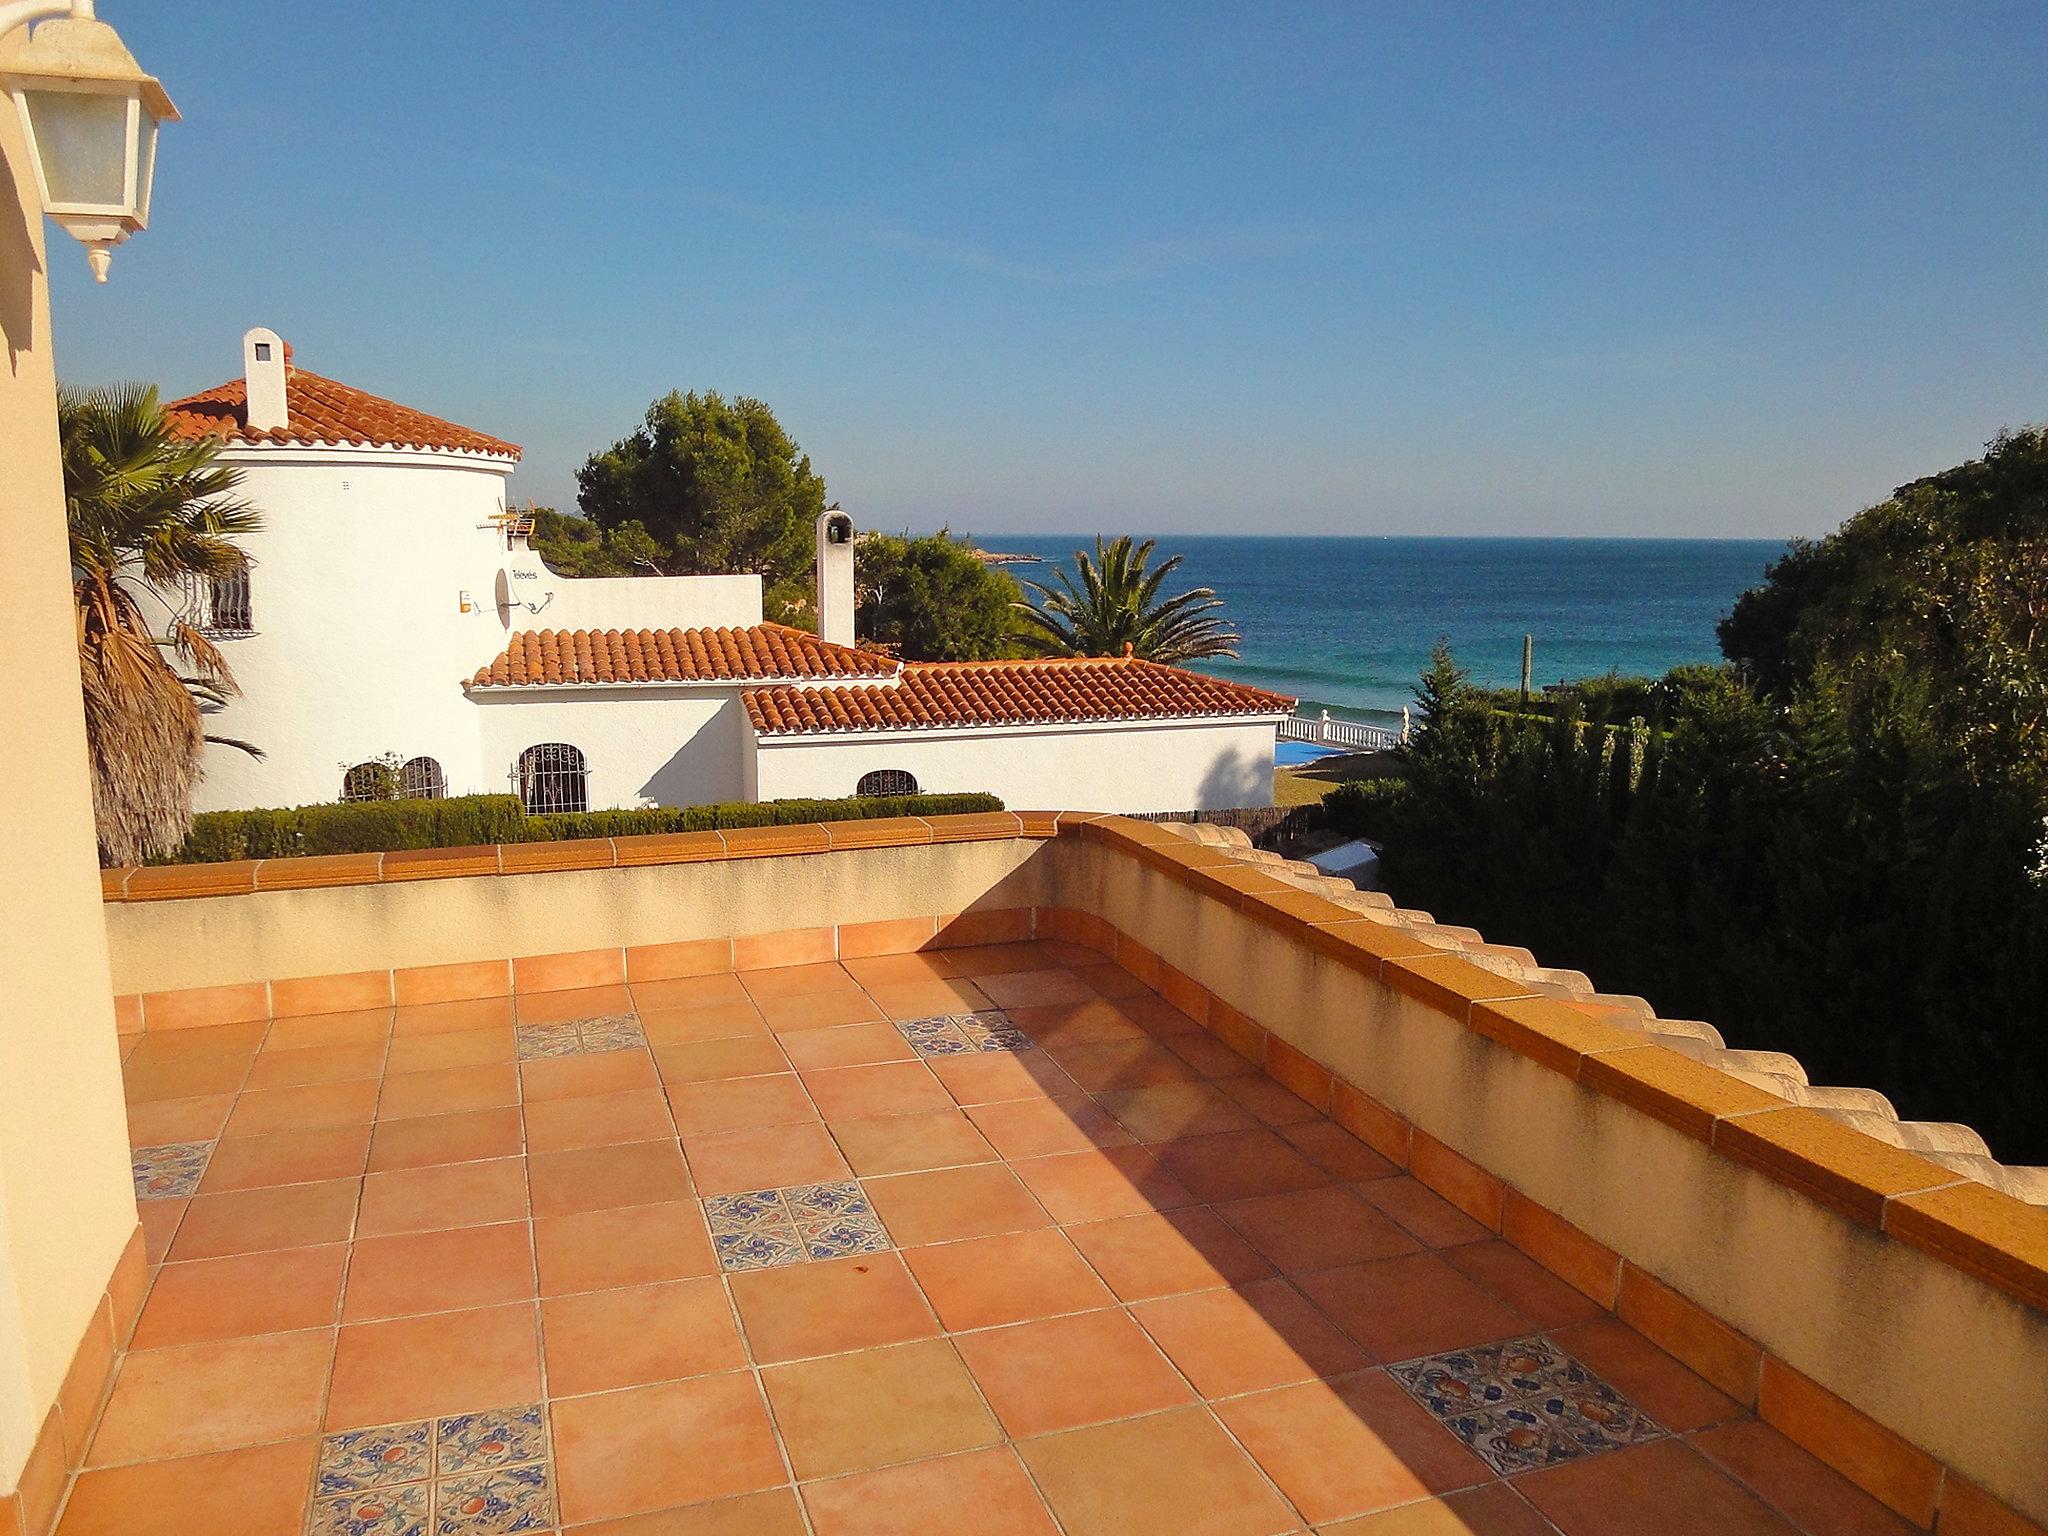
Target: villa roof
[
  {"x": 762, "y": 652},
  {"x": 933, "y": 695},
  {"x": 320, "y": 410}
]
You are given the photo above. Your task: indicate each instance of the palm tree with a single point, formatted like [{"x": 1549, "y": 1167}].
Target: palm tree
[
  {"x": 148, "y": 512},
  {"x": 1109, "y": 606}
]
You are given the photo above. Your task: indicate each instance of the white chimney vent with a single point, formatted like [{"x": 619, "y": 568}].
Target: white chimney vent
[
  {"x": 263, "y": 373},
  {"x": 835, "y": 577}
]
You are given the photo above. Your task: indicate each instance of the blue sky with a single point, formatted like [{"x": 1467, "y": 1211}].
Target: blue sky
[{"x": 1733, "y": 269}]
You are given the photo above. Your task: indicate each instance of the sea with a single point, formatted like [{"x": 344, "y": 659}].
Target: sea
[{"x": 1347, "y": 624}]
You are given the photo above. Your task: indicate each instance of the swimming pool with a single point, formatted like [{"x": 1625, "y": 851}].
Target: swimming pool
[{"x": 1289, "y": 753}]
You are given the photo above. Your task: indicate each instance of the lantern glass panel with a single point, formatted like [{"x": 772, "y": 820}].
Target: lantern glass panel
[{"x": 82, "y": 140}]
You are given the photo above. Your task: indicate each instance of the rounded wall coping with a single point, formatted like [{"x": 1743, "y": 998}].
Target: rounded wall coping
[
  {"x": 1995, "y": 1238},
  {"x": 179, "y": 882}
]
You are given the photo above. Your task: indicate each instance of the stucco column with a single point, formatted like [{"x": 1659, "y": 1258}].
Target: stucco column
[{"x": 66, "y": 1203}]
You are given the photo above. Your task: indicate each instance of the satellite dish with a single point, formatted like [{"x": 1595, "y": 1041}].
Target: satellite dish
[{"x": 505, "y": 597}]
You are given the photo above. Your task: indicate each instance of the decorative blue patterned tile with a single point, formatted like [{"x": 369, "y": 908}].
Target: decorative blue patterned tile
[
  {"x": 543, "y": 1040},
  {"x": 749, "y": 1211},
  {"x": 1492, "y": 1374},
  {"x": 400, "y": 1511},
  {"x": 810, "y": 1204},
  {"x": 936, "y": 1037},
  {"x": 1512, "y": 1439},
  {"x": 499, "y": 1503},
  {"x": 992, "y": 1030},
  {"x": 835, "y": 1220},
  {"x": 165, "y": 1172},
  {"x": 762, "y": 1228},
  {"x": 375, "y": 1458},
  {"x": 497, "y": 1437},
  {"x": 1524, "y": 1403},
  {"x": 839, "y": 1239},
  {"x": 764, "y": 1248},
  {"x": 1594, "y": 1417}
]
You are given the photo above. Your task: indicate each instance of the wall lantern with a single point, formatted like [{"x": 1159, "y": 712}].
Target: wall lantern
[{"x": 90, "y": 116}]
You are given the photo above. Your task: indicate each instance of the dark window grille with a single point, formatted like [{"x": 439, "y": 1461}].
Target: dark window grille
[
  {"x": 368, "y": 781},
  {"x": 421, "y": 779},
  {"x": 886, "y": 781},
  {"x": 552, "y": 778},
  {"x": 221, "y": 604}
]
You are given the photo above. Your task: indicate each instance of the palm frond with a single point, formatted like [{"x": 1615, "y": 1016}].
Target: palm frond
[
  {"x": 238, "y": 744},
  {"x": 145, "y": 510},
  {"x": 1109, "y": 603}
]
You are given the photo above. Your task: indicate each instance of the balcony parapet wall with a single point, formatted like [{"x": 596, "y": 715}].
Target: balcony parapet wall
[{"x": 1882, "y": 1311}]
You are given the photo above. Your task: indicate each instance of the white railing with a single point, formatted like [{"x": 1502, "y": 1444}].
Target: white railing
[{"x": 1343, "y": 733}]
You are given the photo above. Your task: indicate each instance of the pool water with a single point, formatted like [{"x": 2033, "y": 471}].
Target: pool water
[{"x": 1289, "y": 753}]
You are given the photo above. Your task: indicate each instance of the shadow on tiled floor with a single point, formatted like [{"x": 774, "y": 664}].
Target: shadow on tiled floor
[{"x": 987, "y": 1239}]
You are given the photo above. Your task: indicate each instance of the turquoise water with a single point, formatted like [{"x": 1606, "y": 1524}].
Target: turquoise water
[{"x": 1348, "y": 623}]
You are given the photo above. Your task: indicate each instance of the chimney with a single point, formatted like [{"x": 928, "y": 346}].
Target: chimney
[
  {"x": 835, "y": 577},
  {"x": 263, "y": 369}
]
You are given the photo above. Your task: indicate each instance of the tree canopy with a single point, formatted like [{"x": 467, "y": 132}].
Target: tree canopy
[
  {"x": 575, "y": 546},
  {"x": 706, "y": 486},
  {"x": 1834, "y": 847},
  {"x": 1944, "y": 586},
  {"x": 1110, "y": 606},
  {"x": 930, "y": 599}
]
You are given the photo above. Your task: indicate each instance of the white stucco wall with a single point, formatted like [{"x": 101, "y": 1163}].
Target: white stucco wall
[
  {"x": 1170, "y": 765},
  {"x": 627, "y": 602},
  {"x": 642, "y": 746},
  {"x": 361, "y": 642}
]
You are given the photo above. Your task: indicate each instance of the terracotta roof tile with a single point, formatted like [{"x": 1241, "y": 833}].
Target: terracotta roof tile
[
  {"x": 321, "y": 410},
  {"x": 936, "y": 694},
  {"x": 764, "y": 652}
]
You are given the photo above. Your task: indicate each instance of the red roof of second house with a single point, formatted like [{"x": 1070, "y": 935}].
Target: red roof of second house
[
  {"x": 934, "y": 695},
  {"x": 321, "y": 410},
  {"x": 759, "y": 653}
]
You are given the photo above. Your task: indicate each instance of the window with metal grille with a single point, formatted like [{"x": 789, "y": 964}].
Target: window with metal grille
[
  {"x": 373, "y": 780},
  {"x": 553, "y": 777},
  {"x": 886, "y": 781},
  {"x": 421, "y": 779},
  {"x": 220, "y": 604}
]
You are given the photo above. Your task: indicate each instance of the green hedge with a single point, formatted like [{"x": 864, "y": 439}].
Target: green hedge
[
  {"x": 379, "y": 826},
  {"x": 1362, "y": 807},
  {"x": 765, "y": 813}
]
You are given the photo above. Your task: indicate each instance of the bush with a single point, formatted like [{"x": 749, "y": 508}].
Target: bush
[
  {"x": 766, "y": 813},
  {"x": 1364, "y": 807},
  {"x": 381, "y": 826}
]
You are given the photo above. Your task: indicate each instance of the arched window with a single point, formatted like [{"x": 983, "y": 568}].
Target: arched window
[
  {"x": 552, "y": 777},
  {"x": 421, "y": 779},
  {"x": 228, "y": 611},
  {"x": 219, "y": 605},
  {"x": 373, "y": 780},
  {"x": 886, "y": 781}
]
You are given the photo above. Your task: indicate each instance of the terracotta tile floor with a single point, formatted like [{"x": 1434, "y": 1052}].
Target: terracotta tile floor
[{"x": 989, "y": 1239}]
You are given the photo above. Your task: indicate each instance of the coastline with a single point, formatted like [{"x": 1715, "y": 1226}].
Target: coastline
[{"x": 1347, "y": 623}]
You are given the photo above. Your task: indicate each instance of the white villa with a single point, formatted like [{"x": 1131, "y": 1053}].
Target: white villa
[{"x": 392, "y": 612}]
